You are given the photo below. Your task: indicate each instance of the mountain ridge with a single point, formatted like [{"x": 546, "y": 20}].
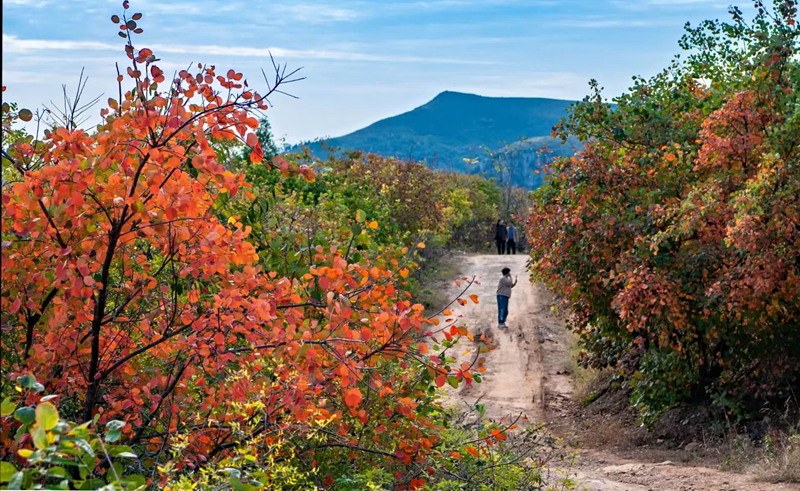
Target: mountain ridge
[{"x": 454, "y": 126}]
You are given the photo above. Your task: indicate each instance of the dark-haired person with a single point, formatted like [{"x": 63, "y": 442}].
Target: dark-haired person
[
  {"x": 503, "y": 294},
  {"x": 511, "y": 244},
  {"x": 500, "y": 237}
]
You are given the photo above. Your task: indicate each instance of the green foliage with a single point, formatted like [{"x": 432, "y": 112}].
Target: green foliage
[{"x": 57, "y": 454}]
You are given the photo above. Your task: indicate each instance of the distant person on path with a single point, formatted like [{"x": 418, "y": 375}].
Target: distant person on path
[
  {"x": 500, "y": 237},
  {"x": 511, "y": 244},
  {"x": 503, "y": 294}
]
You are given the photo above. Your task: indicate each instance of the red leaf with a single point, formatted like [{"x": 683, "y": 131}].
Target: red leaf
[{"x": 257, "y": 155}]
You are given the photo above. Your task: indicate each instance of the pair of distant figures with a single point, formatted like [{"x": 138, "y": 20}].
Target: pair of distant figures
[{"x": 506, "y": 238}]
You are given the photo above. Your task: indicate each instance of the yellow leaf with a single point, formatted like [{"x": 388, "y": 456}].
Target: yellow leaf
[{"x": 46, "y": 415}]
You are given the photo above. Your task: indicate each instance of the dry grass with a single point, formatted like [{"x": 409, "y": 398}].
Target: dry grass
[
  {"x": 781, "y": 462},
  {"x": 775, "y": 460},
  {"x": 436, "y": 282},
  {"x": 584, "y": 380}
]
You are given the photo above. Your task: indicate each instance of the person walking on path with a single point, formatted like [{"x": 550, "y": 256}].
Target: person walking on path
[
  {"x": 503, "y": 294},
  {"x": 500, "y": 237},
  {"x": 511, "y": 244}
]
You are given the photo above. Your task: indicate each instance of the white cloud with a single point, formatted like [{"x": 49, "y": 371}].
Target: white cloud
[
  {"x": 641, "y": 5},
  {"x": 26, "y": 3},
  {"x": 13, "y": 44},
  {"x": 318, "y": 13},
  {"x": 601, "y": 23},
  {"x": 678, "y": 2}
]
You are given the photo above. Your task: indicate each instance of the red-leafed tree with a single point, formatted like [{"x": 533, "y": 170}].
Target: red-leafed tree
[
  {"x": 139, "y": 300},
  {"x": 675, "y": 233}
]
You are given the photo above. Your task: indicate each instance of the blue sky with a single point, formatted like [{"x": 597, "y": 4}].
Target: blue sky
[{"x": 364, "y": 60}]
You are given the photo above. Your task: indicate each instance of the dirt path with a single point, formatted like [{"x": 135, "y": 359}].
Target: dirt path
[{"x": 527, "y": 373}]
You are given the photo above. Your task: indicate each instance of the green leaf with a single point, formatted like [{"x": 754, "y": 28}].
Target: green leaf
[
  {"x": 25, "y": 415},
  {"x": 453, "y": 382},
  {"x": 361, "y": 215},
  {"x": 46, "y": 415},
  {"x": 89, "y": 461},
  {"x": 115, "y": 425},
  {"x": 39, "y": 437},
  {"x": 27, "y": 381},
  {"x": 16, "y": 480},
  {"x": 92, "y": 484},
  {"x": 7, "y": 407},
  {"x": 112, "y": 436},
  {"x": 25, "y": 115},
  {"x": 84, "y": 445},
  {"x": 7, "y": 471},
  {"x": 116, "y": 450}
]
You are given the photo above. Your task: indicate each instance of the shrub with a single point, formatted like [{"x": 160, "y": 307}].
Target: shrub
[{"x": 673, "y": 234}]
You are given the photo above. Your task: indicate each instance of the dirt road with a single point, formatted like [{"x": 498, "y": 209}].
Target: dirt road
[{"x": 527, "y": 373}]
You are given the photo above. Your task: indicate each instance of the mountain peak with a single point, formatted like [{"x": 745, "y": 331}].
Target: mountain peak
[
  {"x": 457, "y": 125},
  {"x": 448, "y": 94}
]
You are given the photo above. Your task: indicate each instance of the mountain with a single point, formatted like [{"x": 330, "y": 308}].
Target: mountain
[{"x": 455, "y": 126}]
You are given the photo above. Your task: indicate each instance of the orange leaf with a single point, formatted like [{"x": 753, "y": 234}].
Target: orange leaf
[
  {"x": 474, "y": 298},
  {"x": 257, "y": 155},
  {"x": 472, "y": 451},
  {"x": 352, "y": 397},
  {"x": 455, "y": 455}
]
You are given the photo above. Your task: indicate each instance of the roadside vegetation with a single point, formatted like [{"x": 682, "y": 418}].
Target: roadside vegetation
[
  {"x": 674, "y": 235},
  {"x": 183, "y": 308}
]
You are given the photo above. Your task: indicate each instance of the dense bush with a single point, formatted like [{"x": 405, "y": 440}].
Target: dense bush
[
  {"x": 675, "y": 234},
  {"x": 231, "y": 317}
]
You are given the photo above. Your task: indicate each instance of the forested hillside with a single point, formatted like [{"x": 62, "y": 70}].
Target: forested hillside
[{"x": 455, "y": 128}]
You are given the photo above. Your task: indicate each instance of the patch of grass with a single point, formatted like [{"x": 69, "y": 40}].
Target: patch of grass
[
  {"x": 742, "y": 453},
  {"x": 776, "y": 459},
  {"x": 434, "y": 280},
  {"x": 584, "y": 380},
  {"x": 782, "y": 460}
]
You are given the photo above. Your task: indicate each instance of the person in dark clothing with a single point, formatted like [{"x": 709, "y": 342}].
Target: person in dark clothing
[
  {"x": 500, "y": 237},
  {"x": 511, "y": 244}
]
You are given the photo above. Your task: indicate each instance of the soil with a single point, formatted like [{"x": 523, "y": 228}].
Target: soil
[{"x": 528, "y": 372}]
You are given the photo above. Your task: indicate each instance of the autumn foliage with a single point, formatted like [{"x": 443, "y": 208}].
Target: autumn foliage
[
  {"x": 675, "y": 234},
  {"x": 134, "y": 290}
]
